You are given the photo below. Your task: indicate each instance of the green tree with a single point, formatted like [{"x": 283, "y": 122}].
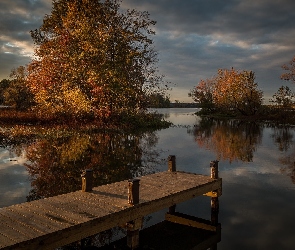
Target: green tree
[
  {"x": 4, "y": 84},
  {"x": 17, "y": 94},
  {"x": 284, "y": 97},
  {"x": 93, "y": 58},
  {"x": 158, "y": 100},
  {"x": 203, "y": 94}
]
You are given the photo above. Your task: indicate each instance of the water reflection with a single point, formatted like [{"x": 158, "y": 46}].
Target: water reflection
[
  {"x": 257, "y": 183},
  {"x": 229, "y": 139},
  {"x": 283, "y": 139},
  {"x": 55, "y": 161}
]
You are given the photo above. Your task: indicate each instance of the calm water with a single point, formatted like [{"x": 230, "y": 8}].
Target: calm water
[{"x": 257, "y": 208}]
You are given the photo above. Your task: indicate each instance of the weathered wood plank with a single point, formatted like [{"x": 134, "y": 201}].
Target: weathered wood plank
[
  {"x": 21, "y": 228},
  {"x": 63, "y": 219},
  {"x": 4, "y": 241},
  {"x": 191, "y": 221},
  {"x": 32, "y": 219},
  {"x": 13, "y": 234}
]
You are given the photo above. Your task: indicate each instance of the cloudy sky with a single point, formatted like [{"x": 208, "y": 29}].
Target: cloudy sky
[{"x": 194, "y": 38}]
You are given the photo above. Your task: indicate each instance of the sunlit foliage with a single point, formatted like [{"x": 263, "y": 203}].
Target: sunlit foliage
[
  {"x": 237, "y": 90},
  {"x": 229, "y": 91},
  {"x": 93, "y": 59}
]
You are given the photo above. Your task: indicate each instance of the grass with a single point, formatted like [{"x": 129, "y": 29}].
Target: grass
[
  {"x": 24, "y": 125},
  {"x": 267, "y": 113}
]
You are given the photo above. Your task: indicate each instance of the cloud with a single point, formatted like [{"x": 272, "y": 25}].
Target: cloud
[
  {"x": 194, "y": 38},
  {"x": 17, "y": 18}
]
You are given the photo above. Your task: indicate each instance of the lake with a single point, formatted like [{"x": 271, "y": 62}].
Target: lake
[{"x": 256, "y": 163}]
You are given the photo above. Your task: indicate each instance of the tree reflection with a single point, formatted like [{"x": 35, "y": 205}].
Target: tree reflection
[
  {"x": 283, "y": 138},
  {"x": 289, "y": 166},
  {"x": 230, "y": 139},
  {"x": 55, "y": 161},
  {"x": 56, "y": 158}
]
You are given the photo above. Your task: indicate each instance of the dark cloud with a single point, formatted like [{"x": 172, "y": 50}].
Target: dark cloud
[{"x": 194, "y": 38}]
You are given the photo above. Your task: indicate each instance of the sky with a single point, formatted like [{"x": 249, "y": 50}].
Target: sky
[{"x": 194, "y": 38}]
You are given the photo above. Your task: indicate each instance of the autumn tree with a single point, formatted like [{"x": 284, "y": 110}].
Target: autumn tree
[
  {"x": 289, "y": 75},
  {"x": 230, "y": 91},
  {"x": 237, "y": 90},
  {"x": 93, "y": 58}
]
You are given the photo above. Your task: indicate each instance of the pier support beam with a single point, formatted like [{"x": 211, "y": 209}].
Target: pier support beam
[
  {"x": 214, "y": 199},
  {"x": 214, "y": 210},
  {"x": 172, "y": 168},
  {"x": 134, "y": 226}
]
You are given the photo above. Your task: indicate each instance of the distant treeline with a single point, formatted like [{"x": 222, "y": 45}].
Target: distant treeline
[{"x": 184, "y": 105}]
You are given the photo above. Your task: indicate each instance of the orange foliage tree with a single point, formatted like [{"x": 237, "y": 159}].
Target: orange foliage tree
[
  {"x": 237, "y": 90},
  {"x": 231, "y": 90},
  {"x": 92, "y": 58}
]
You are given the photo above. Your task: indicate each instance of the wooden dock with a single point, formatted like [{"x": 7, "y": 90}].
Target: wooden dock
[{"x": 60, "y": 220}]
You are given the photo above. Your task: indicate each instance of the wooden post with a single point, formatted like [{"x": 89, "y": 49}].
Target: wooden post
[
  {"x": 133, "y": 239},
  {"x": 214, "y": 200},
  {"x": 214, "y": 210},
  {"x": 133, "y": 191},
  {"x": 172, "y": 209},
  {"x": 172, "y": 168},
  {"x": 133, "y": 228},
  {"x": 171, "y": 163},
  {"x": 87, "y": 177},
  {"x": 214, "y": 169}
]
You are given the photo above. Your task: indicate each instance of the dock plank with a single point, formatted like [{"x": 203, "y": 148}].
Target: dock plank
[
  {"x": 5, "y": 241},
  {"x": 32, "y": 219},
  {"x": 16, "y": 225},
  {"x": 66, "y": 218}
]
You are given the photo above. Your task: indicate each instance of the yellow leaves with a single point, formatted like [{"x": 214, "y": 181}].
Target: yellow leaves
[
  {"x": 74, "y": 100},
  {"x": 63, "y": 100},
  {"x": 75, "y": 148}
]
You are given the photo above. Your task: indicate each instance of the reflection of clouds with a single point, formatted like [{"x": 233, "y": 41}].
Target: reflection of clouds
[
  {"x": 14, "y": 183},
  {"x": 256, "y": 205},
  {"x": 180, "y": 116}
]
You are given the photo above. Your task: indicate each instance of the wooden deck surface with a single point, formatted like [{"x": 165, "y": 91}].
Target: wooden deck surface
[{"x": 60, "y": 220}]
